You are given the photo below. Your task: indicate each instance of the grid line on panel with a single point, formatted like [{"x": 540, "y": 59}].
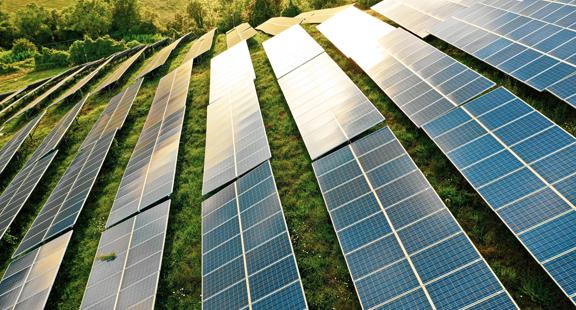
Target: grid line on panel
[
  {"x": 11, "y": 148},
  {"x": 118, "y": 73},
  {"x": 160, "y": 58}
]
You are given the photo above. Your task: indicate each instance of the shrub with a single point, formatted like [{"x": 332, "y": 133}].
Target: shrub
[
  {"x": 24, "y": 46},
  {"x": 8, "y": 68},
  {"x": 89, "y": 49},
  {"x": 49, "y": 58}
]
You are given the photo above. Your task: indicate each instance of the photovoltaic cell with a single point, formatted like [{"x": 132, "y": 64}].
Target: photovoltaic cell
[
  {"x": 247, "y": 257},
  {"x": 328, "y": 107},
  {"x": 160, "y": 58},
  {"x": 126, "y": 268},
  {"x": 532, "y": 41},
  {"x": 200, "y": 45},
  {"x": 403, "y": 247},
  {"x": 421, "y": 80},
  {"x": 117, "y": 75},
  {"x": 236, "y": 139},
  {"x": 149, "y": 176},
  {"x": 238, "y": 34},
  {"x": 28, "y": 280},
  {"x": 419, "y": 16},
  {"x": 524, "y": 166},
  {"x": 231, "y": 67},
  {"x": 21, "y": 187},
  {"x": 9, "y": 150},
  {"x": 291, "y": 49},
  {"x": 275, "y": 25}
]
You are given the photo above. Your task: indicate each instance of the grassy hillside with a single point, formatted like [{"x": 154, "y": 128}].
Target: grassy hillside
[
  {"x": 165, "y": 8},
  {"x": 325, "y": 277}
]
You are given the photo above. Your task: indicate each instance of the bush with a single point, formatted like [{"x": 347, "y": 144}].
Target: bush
[
  {"x": 89, "y": 50},
  {"x": 49, "y": 58},
  {"x": 21, "y": 46},
  {"x": 132, "y": 44},
  {"x": 8, "y": 68}
]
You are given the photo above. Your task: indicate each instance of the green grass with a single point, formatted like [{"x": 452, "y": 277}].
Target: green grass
[
  {"x": 325, "y": 277},
  {"x": 22, "y": 78}
]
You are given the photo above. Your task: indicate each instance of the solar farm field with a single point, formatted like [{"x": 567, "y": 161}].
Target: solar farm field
[{"x": 212, "y": 182}]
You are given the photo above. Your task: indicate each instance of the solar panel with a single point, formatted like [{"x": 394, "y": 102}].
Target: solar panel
[
  {"x": 9, "y": 150},
  {"x": 236, "y": 139},
  {"x": 229, "y": 68},
  {"x": 28, "y": 280},
  {"x": 328, "y": 107},
  {"x": 115, "y": 113},
  {"x": 200, "y": 45},
  {"x": 291, "y": 49},
  {"x": 149, "y": 176},
  {"x": 523, "y": 166},
  {"x": 403, "y": 247},
  {"x": 49, "y": 92},
  {"x": 420, "y": 79},
  {"x": 239, "y": 33},
  {"x": 80, "y": 84},
  {"x": 247, "y": 256},
  {"x": 318, "y": 16},
  {"x": 21, "y": 187},
  {"x": 275, "y": 25},
  {"x": 126, "y": 268},
  {"x": 117, "y": 75},
  {"x": 160, "y": 58},
  {"x": 420, "y": 16},
  {"x": 532, "y": 41},
  {"x": 63, "y": 207},
  {"x": 7, "y": 97}
]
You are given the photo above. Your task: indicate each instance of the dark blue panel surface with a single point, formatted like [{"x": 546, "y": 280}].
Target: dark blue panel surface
[{"x": 552, "y": 238}]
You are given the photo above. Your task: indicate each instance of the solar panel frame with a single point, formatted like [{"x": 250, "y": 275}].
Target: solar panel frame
[
  {"x": 239, "y": 33},
  {"x": 254, "y": 201},
  {"x": 131, "y": 241},
  {"x": 528, "y": 180},
  {"x": 160, "y": 58},
  {"x": 32, "y": 276},
  {"x": 149, "y": 175},
  {"x": 200, "y": 46},
  {"x": 395, "y": 231},
  {"x": 11, "y": 148}
]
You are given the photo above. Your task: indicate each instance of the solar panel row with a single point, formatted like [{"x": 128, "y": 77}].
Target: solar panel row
[
  {"x": 200, "y": 46},
  {"x": 403, "y": 247},
  {"x": 247, "y": 257},
  {"x": 149, "y": 176},
  {"x": 524, "y": 167},
  {"x": 421, "y": 80},
  {"x": 318, "y": 16},
  {"x": 11, "y": 148},
  {"x": 236, "y": 139},
  {"x": 328, "y": 107},
  {"x": 66, "y": 201},
  {"x": 229, "y": 68},
  {"x": 160, "y": 58},
  {"x": 85, "y": 80},
  {"x": 275, "y": 25},
  {"x": 533, "y": 41},
  {"x": 117, "y": 75},
  {"x": 420, "y": 16},
  {"x": 28, "y": 280},
  {"x": 126, "y": 268},
  {"x": 38, "y": 100},
  {"x": 238, "y": 34},
  {"x": 21, "y": 187}
]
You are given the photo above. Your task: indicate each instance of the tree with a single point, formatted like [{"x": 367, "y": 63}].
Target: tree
[
  {"x": 90, "y": 17},
  {"x": 36, "y": 24},
  {"x": 126, "y": 16},
  {"x": 195, "y": 10},
  {"x": 7, "y": 29},
  {"x": 262, "y": 10}
]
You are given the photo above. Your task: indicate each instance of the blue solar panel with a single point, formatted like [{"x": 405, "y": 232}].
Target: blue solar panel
[
  {"x": 400, "y": 241},
  {"x": 523, "y": 165},
  {"x": 533, "y": 41},
  {"x": 247, "y": 257}
]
